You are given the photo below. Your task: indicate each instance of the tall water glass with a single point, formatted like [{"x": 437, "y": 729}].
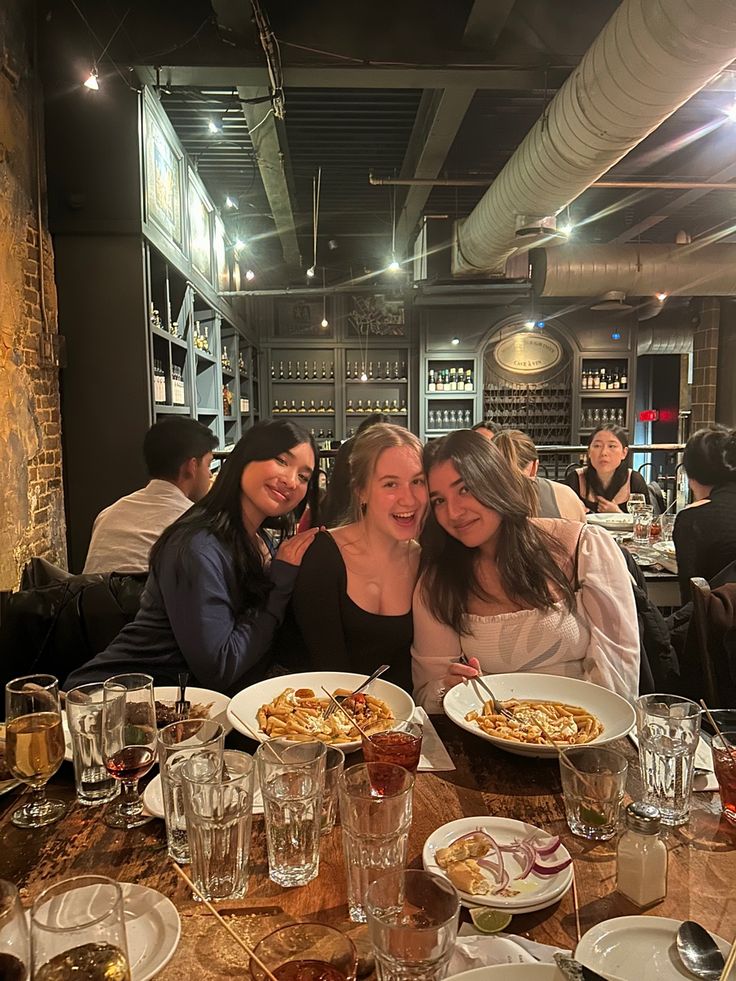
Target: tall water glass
[
  {"x": 642, "y": 526},
  {"x": 128, "y": 743},
  {"x": 292, "y": 777},
  {"x": 84, "y": 705},
  {"x": 15, "y": 942},
  {"x": 334, "y": 764},
  {"x": 34, "y": 744},
  {"x": 218, "y": 804},
  {"x": 668, "y": 729},
  {"x": 177, "y": 743},
  {"x": 375, "y": 813},
  {"x": 78, "y": 931},
  {"x": 412, "y": 924}
]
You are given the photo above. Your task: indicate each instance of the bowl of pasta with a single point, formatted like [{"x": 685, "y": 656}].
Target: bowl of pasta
[
  {"x": 295, "y": 706},
  {"x": 546, "y": 712}
]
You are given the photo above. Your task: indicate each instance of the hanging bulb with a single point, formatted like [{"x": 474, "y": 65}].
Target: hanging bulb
[
  {"x": 92, "y": 82},
  {"x": 530, "y": 324},
  {"x": 363, "y": 376},
  {"x": 231, "y": 202},
  {"x": 239, "y": 244},
  {"x": 310, "y": 272},
  {"x": 566, "y": 230},
  {"x": 394, "y": 266},
  {"x": 214, "y": 127},
  {"x": 250, "y": 275},
  {"x": 455, "y": 341},
  {"x": 325, "y": 322}
]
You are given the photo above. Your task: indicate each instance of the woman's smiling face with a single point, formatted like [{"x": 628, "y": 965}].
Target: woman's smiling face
[
  {"x": 269, "y": 488},
  {"x": 396, "y": 496},
  {"x": 457, "y": 511}
]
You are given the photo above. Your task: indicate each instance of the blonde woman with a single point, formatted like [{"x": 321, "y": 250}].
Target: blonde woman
[
  {"x": 549, "y": 499},
  {"x": 352, "y": 599}
]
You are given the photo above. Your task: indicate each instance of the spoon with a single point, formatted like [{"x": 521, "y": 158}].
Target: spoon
[{"x": 698, "y": 951}]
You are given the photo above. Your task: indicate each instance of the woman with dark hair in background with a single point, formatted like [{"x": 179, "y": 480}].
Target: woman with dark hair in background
[
  {"x": 606, "y": 482},
  {"x": 513, "y": 593},
  {"x": 214, "y": 596},
  {"x": 705, "y": 532},
  {"x": 337, "y": 504}
]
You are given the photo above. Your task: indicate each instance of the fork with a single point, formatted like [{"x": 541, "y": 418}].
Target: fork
[
  {"x": 182, "y": 706},
  {"x": 339, "y": 699},
  {"x": 498, "y": 708}
]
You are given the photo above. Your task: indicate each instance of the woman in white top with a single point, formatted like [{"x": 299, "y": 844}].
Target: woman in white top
[{"x": 513, "y": 593}]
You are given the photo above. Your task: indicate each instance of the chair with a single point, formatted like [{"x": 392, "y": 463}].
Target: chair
[{"x": 700, "y": 634}]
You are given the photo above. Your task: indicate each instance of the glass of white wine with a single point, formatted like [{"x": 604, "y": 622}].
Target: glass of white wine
[
  {"x": 128, "y": 743},
  {"x": 34, "y": 744},
  {"x": 78, "y": 931}
]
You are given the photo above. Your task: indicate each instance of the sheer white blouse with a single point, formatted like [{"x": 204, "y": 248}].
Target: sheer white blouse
[{"x": 597, "y": 641}]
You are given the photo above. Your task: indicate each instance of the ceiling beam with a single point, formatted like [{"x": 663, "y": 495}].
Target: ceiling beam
[{"x": 486, "y": 20}]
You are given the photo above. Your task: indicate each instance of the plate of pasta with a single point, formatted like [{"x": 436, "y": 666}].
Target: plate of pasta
[
  {"x": 295, "y": 707},
  {"x": 546, "y": 710}
]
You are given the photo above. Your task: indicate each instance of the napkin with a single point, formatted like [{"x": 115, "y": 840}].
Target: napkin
[
  {"x": 434, "y": 755},
  {"x": 473, "y": 949},
  {"x": 705, "y": 780}
]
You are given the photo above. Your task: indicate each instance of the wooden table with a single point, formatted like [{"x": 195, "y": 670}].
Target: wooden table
[{"x": 702, "y": 859}]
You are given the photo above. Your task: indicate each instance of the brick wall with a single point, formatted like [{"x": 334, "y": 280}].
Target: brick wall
[
  {"x": 705, "y": 363},
  {"x": 31, "y": 495}
]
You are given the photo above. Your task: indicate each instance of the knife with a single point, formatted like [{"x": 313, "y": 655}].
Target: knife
[
  {"x": 574, "y": 970},
  {"x": 590, "y": 975}
]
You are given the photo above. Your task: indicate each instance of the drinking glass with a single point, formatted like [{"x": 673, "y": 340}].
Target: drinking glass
[
  {"x": 401, "y": 744},
  {"x": 375, "y": 813},
  {"x": 412, "y": 924},
  {"x": 94, "y": 783},
  {"x": 668, "y": 729},
  {"x": 34, "y": 744},
  {"x": 177, "y": 743},
  {"x": 305, "y": 952},
  {"x": 642, "y": 527},
  {"x": 292, "y": 777},
  {"x": 667, "y": 523},
  {"x": 128, "y": 743},
  {"x": 593, "y": 785},
  {"x": 218, "y": 804},
  {"x": 334, "y": 763},
  {"x": 724, "y": 764},
  {"x": 635, "y": 501},
  {"x": 15, "y": 942},
  {"x": 78, "y": 931}
]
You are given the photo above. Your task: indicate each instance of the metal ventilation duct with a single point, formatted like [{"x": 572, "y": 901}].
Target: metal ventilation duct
[
  {"x": 649, "y": 59},
  {"x": 636, "y": 270},
  {"x": 661, "y": 339}
]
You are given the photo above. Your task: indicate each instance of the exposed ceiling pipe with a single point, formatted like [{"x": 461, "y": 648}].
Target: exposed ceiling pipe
[
  {"x": 635, "y": 270},
  {"x": 623, "y": 184},
  {"x": 649, "y": 59},
  {"x": 663, "y": 339}
]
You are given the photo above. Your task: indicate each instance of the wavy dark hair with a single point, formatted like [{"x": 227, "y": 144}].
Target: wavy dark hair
[
  {"x": 620, "y": 474},
  {"x": 529, "y": 560},
  {"x": 710, "y": 456},
  {"x": 220, "y": 511}
]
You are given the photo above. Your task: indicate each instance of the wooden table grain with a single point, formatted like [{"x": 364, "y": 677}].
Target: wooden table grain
[{"x": 487, "y": 781}]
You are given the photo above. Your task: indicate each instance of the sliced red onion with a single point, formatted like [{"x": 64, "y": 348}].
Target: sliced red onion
[
  {"x": 526, "y": 859},
  {"x": 539, "y": 868},
  {"x": 547, "y": 846}
]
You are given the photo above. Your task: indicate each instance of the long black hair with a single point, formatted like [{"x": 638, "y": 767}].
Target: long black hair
[
  {"x": 528, "y": 558},
  {"x": 620, "y": 474},
  {"x": 220, "y": 511}
]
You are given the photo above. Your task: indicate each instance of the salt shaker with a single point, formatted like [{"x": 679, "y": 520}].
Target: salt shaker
[{"x": 641, "y": 857}]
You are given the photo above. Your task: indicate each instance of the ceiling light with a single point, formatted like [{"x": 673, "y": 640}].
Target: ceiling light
[
  {"x": 529, "y": 325},
  {"x": 214, "y": 127},
  {"x": 325, "y": 322},
  {"x": 250, "y": 275},
  {"x": 661, "y": 297},
  {"x": 394, "y": 266},
  {"x": 566, "y": 230},
  {"x": 92, "y": 82},
  {"x": 455, "y": 341},
  {"x": 363, "y": 376},
  {"x": 310, "y": 272},
  {"x": 615, "y": 335},
  {"x": 612, "y": 300},
  {"x": 540, "y": 325},
  {"x": 239, "y": 244},
  {"x": 231, "y": 202}
]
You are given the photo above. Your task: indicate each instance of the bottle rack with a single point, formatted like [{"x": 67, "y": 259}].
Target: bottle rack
[
  {"x": 541, "y": 410},
  {"x": 604, "y": 390},
  {"x": 303, "y": 384},
  {"x": 375, "y": 382},
  {"x": 450, "y": 394}
]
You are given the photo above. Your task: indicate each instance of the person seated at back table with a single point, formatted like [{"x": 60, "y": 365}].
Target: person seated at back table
[
  {"x": 352, "y": 598},
  {"x": 606, "y": 482},
  {"x": 178, "y": 453},
  {"x": 214, "y": 597},
  {"x": 547, "y": 498},
  {"x": 705, "y": 532},
  {"x": 487, "y": 428},
  {"x": 513, "y": 593}
]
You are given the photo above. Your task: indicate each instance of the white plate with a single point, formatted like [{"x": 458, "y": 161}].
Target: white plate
[
  {"x": 247, "y": 703},
  {"x": 616, "y": 714},
  {"x": 622, "y": 947},
  {"x": 539, "y": 892},
  {"x": 202, "y": 696},
  {"x": 154, "y": 802},
  {"x": 152, "y": 926},
  {"x": 514, "y": 972},
  {"x": 619, "y": 522}
]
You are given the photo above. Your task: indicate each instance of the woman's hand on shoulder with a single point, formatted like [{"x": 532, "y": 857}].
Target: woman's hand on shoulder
[
  {"x": 295, "y": 548},
  {"x": 457, "y": 672},
  {"x": 608, "y": 507}
]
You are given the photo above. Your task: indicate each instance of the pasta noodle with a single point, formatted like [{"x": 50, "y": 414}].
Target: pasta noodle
[
  {"x": 300, "y": 715},
  {"x": 538, "y": 722}
]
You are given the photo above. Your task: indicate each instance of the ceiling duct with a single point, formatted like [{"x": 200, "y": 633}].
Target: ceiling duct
[
  {"x": 662, "y": 339},
  {"x": 649, "y": 59},
  {"x": 612, "y": 300},
  {"x": 634, "y": 270}
]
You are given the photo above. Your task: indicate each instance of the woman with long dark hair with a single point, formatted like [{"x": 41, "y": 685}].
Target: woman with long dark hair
[
  {"x": 606, "y": 482},
  {"x": 214, "y": 595},
  {"x": 511, "y": 592}
]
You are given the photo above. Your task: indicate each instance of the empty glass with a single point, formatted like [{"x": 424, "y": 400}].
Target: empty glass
[
  {"x": 668, "y": 729},
  {"x": 412, "y": 923},
  {"x": 667, "y": 524},
  {"x": 128, "y": 743},
  {"x": 84, "y": 705},
  {"x": 15, "y": 943},
  {"x": 642, "y": 526},
  {"x": 334, "y": 763},
  {"x": 292, "y": 777},
  {"x": 593, "y": 785},
  {"x": 304, "y": 952}
]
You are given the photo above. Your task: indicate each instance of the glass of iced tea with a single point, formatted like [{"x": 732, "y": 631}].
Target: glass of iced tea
[
  {"x": 401, "y": 745},
  {"x": 305, "y": 952},
  {"x": 34, "y": 744},
  {"x": 724, "y": 764}
]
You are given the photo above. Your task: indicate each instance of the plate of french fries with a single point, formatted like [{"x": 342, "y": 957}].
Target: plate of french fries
[
  {"x": 295, "y": 706},
  {"x": 548, "y": 711}
]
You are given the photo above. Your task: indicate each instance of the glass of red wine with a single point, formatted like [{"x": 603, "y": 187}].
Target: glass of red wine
[
  {"x": 128, "y": 743},
  {"x": 305, "y": 952},
  {"x": 15, "y": 944}
]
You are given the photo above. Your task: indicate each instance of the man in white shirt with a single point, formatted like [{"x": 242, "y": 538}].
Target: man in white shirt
[{"x": 178, "y": 453}]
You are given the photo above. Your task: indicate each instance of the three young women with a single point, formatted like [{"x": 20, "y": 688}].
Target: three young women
[{"x": 606, "y": 482}]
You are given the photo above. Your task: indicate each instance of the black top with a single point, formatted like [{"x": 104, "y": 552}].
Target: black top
[
  {"x": 705, "y": 537},
  {"x": 637, "y": 485},
  {"x": 338, "y": 635}
]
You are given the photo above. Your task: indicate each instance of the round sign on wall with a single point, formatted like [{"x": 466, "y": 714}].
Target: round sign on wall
[{"x": 527, "y": 353}]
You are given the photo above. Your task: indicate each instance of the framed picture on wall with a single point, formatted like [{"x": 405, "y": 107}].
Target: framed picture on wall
[
  {"x": 222, "y": 269},
  {"x": 376, "y": 315},
  {"x": 163, "y": 181},
  {"x": 301, "y": 318},
  {"x": 201, "y": 214}
]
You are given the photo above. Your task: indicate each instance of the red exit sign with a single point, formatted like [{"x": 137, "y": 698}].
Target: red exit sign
[
  {"x": 659, "y": 415},
  {"x": 649, "y": 415}
]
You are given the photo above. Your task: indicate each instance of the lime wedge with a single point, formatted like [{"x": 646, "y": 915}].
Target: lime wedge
[
  {"x": 592, "y": 817},
  {"x": 489, "y": 920}
]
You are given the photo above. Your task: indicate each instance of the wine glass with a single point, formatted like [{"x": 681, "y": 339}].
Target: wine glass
[
  {"x": 34, "y": 744},
  {"x": 128, "y": 743}
]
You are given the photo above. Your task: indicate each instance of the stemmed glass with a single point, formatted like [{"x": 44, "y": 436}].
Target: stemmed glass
[
  {"x": 15, "y": 941},
  {"x": 128, "y": 743},
  {"x": 34, "y": 744}
]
